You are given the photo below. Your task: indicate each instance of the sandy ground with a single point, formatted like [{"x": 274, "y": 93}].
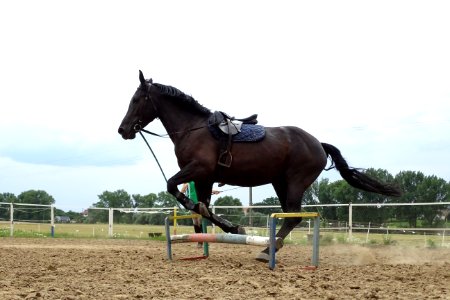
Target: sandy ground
[{"x": 128, "y": 269}]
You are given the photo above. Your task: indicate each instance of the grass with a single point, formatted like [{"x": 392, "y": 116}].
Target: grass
[{"x": 298, "y": 237}]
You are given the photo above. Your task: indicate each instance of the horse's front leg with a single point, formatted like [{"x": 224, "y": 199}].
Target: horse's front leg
[
  {"x": 200, "y": 208},
  {"x": 204, "y": 191}
]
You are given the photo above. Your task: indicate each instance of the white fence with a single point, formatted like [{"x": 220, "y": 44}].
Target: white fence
[
  {"x": 348, "y": 226},
  {"x": 12, "y": 207}
]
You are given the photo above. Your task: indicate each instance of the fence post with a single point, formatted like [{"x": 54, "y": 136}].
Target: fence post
[
  {"x": 11, "y": 220},
  {"x": 110, "y": 222},
  {"x": 52, "y": 220},
  {"x": 350, "y": 221}
]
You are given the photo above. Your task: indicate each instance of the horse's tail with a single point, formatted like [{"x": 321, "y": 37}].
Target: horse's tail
[{"x": 357, "y": 179}]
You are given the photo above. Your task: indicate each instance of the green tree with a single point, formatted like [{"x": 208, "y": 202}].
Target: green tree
[
  {"x": 271, "y": 201},
  {"x": 432, "y": 189},
  {"x": 42, "y": 214},
  {"x": 231, "y": 214},
  {"x": 324, "y": 190},
  {"x": 75, "y": 216},
  {"x": 146, "y": 201},
  {"x": 409, "y": 182},
  {"x": 374, "y": 214},
  {"x": 117, "y": 199},
  {"x": 5, "y": 208},
  {"x": 165, "y": 199},
  {"x": 35, "y": 197},
  {"x": 343, "y": 193},
  {"x": 311, "y": 195}
]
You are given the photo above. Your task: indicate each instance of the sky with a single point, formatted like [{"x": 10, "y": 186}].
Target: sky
[{"x": 370, "y": 77}]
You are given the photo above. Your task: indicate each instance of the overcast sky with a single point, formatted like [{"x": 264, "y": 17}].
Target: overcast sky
[{"x": 370, "y": 77}]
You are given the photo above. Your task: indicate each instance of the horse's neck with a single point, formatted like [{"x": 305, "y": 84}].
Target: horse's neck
[{"x": 177, "y": 120}]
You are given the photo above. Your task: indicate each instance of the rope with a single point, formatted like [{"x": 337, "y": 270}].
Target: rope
[{"x": 148, "y": 145}]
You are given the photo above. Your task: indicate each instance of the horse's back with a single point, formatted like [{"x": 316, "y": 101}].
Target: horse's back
[
  {"x": 286, "y": 151},
  {"x": 302, "y": 147}
]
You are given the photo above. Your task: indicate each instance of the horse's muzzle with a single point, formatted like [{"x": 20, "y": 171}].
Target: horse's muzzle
[{"x": 127, "y": 135}]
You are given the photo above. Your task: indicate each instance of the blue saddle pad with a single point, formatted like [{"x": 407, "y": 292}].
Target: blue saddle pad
[{"x": 249, "y": 133}]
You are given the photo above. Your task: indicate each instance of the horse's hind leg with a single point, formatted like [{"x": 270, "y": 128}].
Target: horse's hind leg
[{"x": 290, "y": 200}]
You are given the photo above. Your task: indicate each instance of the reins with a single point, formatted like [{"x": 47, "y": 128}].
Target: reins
[
  {"x": 172, "y": 133},
  {"x": 151, "y": 150},
  {"x": 139, "y": 129}
]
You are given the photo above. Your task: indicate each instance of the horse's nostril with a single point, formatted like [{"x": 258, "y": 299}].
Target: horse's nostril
[{"x": 120, "y": 130}]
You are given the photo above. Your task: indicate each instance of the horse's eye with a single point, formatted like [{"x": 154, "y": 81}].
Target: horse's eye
[{"x": 146, "y": 98}]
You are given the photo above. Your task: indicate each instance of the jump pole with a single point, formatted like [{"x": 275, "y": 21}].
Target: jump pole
[
  {"x": 273, "y": 239},
  {"x": 169, "y": 237}
]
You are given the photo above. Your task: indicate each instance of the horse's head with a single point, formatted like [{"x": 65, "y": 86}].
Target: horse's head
[{"x": 141, "y": 111}]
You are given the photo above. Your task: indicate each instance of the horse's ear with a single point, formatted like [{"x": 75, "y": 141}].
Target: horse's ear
[
  {"x": 150, "y": 81},
  {"x": 141, "y": 77}
]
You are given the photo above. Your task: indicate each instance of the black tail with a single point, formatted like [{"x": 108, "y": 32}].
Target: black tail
[{"x": 357, "y": 179}]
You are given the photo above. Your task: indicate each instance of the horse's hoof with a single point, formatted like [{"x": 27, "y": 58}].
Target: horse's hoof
[
  {"x": 241, "y": 230},
  {"x": 263, "y": 257},
  {"x": 279, "y": 243}
]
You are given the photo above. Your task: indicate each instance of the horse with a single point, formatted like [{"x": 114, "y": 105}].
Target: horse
[{"x": 288, "y": 158}]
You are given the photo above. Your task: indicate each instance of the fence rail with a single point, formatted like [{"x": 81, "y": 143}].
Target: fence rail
[{"x": 348, "y": 226}]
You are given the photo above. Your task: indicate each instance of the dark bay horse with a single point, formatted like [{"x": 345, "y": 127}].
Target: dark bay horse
[{"x": 288, "y": 157}]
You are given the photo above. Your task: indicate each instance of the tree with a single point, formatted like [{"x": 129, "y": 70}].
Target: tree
[
  {"x": 75, "y": 216},
  {"x": 409, "y": 182},
  {"x": 271, "y": 201},
  {"x": 311, "y": 195},
  {"x": 117, "y": 199},
  {"x": 325, "y": 196},
  {"x": 165, "y": 199},
  {"x": 231, "y": 214},
  {"x": 5, "y": 208},
  {"x": 30, "y": 213},
  {"x": 35, "y": 197},
  {"x": 146, "y": 201},
  {"x": 377, "y": 214},
  {"x": 432, "y": 189},
  {"x": 343, "y": 193}
]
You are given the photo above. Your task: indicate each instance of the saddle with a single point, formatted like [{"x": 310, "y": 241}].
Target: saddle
[{"x": 228, "y": 127}]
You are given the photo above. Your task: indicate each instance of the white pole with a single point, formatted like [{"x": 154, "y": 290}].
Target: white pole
[
  {"x": 52, "y": 220},
  {"x": 110, "y": 221},
  {"x": 350, "y": 221},
  {"x": 11, "y": 220}
]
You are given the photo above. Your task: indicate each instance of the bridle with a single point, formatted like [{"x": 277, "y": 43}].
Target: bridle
[{"x": 138, "y": 128}]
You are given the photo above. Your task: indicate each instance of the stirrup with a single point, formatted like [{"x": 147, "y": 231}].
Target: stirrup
[{"x": 225, "y": 159}]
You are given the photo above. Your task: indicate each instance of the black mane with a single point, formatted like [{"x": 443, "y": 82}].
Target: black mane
[{"x": 188, "y": 101}]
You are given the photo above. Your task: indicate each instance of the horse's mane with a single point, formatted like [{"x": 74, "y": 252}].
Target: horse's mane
[{"x": 184, "y": 99}]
